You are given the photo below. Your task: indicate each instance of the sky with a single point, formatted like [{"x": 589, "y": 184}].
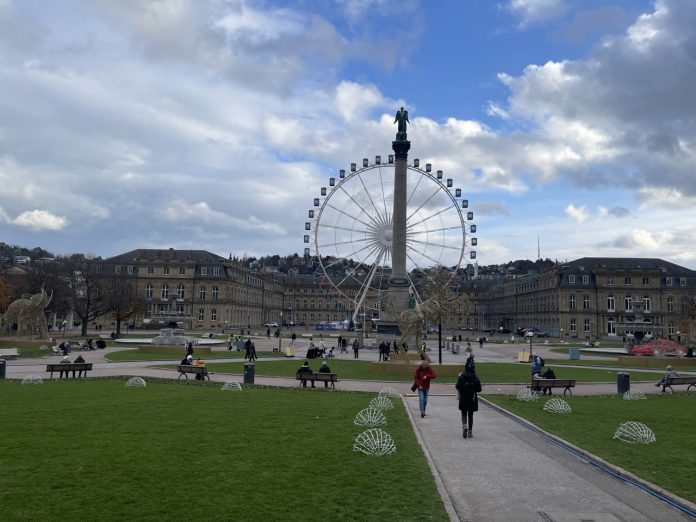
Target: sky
[{"x": 213, "y": 124}]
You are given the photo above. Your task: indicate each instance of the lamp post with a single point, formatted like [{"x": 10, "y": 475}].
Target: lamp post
[
  {"x": 530, "y": 335},
  {"x": 280, "y": 331}
]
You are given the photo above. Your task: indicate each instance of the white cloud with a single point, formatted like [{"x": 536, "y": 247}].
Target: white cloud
[
  {"x": 578, "y": 214},
  {"x": 40, "y": 220},
  {"x": 533, "y": 12}
]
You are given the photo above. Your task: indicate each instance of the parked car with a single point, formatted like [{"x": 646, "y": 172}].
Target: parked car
[
  {"x": 271, "y": 325},
  {"x": 542, "y": 334}
]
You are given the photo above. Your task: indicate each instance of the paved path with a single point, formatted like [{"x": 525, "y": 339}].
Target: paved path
[{"x": 507, "y": 472}]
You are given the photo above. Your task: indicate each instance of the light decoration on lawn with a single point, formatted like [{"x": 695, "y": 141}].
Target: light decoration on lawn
[
  {"x": 375, "y": 442},
  {"x": 557, "y": 406},
  {"x": 634, "y": 433},
  {"x": 389, "y": 392},
  {"x": 136, "y": 382},
  {"x": 32, "y": 379},
  {"x": 381, "y": 403},
  {"x": 634, "y": 395},
  {"x": 527, "y": 395},
  {"x": 370, "y": 418},
  {"x": 231, "y": 386}
]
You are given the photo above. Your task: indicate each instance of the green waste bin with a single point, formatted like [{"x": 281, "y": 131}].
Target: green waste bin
[
  {"x": 3, "y": 364},
  {"x": 248, "y": 373},
  {"x": 623, "y": 382}
]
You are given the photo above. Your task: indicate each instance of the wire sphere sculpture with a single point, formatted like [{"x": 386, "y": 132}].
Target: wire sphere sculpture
[
  {"x": 231, "y": 386},
  {"x": 350, "y": 229},
  {"x": 527, "y": 395},
  {"x": 634, "y": 395},
  {"x": 32, "y": 379},
  {"x": 389, "y": 392},
  {"x": 381, "y": 403},
  {"x": 374, "y": 442},
  {"x": 634, "y": 433},
  {"x": 370, "y": 417},
  {"x": 136, "y": 382},
  {"x": 557, "y": 406}
]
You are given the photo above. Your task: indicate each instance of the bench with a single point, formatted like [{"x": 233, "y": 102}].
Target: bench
[
  {"x": 678, "y": 381},
  {"x": 9, "y": 353},
  {"x": 567, "y": 384},
  {"x": 183, "y": 369},
  {"x": 321, "y": 377},
  {"x": 68, "y": 367}
]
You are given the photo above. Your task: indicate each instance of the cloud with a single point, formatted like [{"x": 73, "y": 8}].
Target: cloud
[
  {"x": 490, "y": 208},
  {"x": 588, "y": 25},
  {"x": 578, "y": 214},
  {"x": 533, "y": 12},
  {"x": 40, "y": 220},
  {"x": 617, "y": 212}
]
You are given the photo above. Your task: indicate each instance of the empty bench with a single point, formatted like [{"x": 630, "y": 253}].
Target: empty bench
[
  {"x": 678, "y": 381},
  {"x": 566, "y": 384},
  {"x": 69, "y": 367},
  {"x": 320, "y": 377},
  {"x": 184, "y": 369},
  {"x": 9, "y": 353}
]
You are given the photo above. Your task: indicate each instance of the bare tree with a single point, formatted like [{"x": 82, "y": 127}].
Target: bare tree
[
  {"x": 119, "y": 291},
  {"x": 84, "y": 283}
]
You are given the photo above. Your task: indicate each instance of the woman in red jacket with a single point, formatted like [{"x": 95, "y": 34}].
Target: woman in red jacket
[{"x": 424, "y": 374}]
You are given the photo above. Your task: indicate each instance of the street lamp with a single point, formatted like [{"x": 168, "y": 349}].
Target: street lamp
[
  {"x": 280, "y": 331},
  {"x": 530, "y": 335}
]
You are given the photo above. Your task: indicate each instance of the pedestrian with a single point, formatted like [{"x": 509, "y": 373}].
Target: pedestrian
[
  {"x": 404, "y": 346},
  {"x": 268, "y": 333},
  {"x": 424, "y": 374},
  {"x": 480, "y": 340},
  {"x": 252, "y": 352},
  {"x": 395, "y": 347},
  {"x": 468, "y": 386},
  {"x": 356, "y": 348},
  {"x": 292, "y": 339},
  {"x": 344, "y": 345},
  {"x": 247, "y": 349},
  {"x": 381, "y": 351}
]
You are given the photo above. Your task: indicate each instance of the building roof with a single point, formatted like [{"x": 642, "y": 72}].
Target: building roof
[
  {"x": 618, "y": 263},
  {"x": 166, "y": 254}
]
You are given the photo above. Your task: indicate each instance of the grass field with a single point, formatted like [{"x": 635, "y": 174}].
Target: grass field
[
  {"x": 96, "y": 450},
  {"x": 134, "y": 355},
  {"x": 488, "y": 372},
  {"x": 668, "y": 462}
]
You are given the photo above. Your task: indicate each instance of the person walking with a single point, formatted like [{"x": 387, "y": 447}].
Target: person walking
[
  {"x": 292, "y": 339},
  {"x": 468, "y": 386},
  {"x": 252, "y": 352},
  {"x": 356, "y": 348},
  {"x": 424, "y": 374},
  {"x": 247, "y": 349}
]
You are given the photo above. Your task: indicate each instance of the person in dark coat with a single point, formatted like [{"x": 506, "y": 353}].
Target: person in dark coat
[
  {"x": 468, "y": 386},
  {"x": 303, "y": 371},
  {"x": 247, "y": 349},
  {"x": 356, "y": 348},
  {"x": 548, "y": 375},
  {"x": 325, "y": 369}
]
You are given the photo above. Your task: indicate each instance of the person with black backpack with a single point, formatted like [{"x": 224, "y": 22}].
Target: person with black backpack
[{"x": 468, "y": 386}]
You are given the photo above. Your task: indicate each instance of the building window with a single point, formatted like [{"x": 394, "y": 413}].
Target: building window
[
  {"x": 165, "y": 291},
  {"x": 165, "y": 270},
  {"x": 182, "y": 270},
  {"x": 668, "y": 281},
  {"x": 201, "y": 293},
  {"x": 646, "y": 281},
  {"x": 571, "y": 303},
  {"x": 670, "y": 304},
  {"x": 216, "y": 271},
  {"x": 610, "y": 281},
  {"x": 204, "y": 270},
  {"x": 586, "y": 326},
  {"x": 671, "y": 328},
  {"x": 585, "y": 302},
  {"x": 627, "y": 281},
  {"x": 571, "y": 279},
  {"x": 682, "y": 281},
  {"x": 215, "y": 292},
  {"x": 611, "y": 303},
  {"x": 148, "y": 291},
  {"x": 180, "y": 291},
  {"x": 611, "y": 326},
  {"x": 150, "y": 269},
  {"x": 201, "y": 314},
  {"x": 213, "y": 314},
  {"x": 628, "y": 303},
  {"x": 573, "y": 325},
  {"x": 117, "y": 269},
  {"x": 130, "y": 269},
  {"x": 180, "y": 309},
  {"x": 585, "y": 280},
  {"x": 647, "y": 303},
  {"x": 163, "y": 309},
  {"x": 475, "y": 321}
]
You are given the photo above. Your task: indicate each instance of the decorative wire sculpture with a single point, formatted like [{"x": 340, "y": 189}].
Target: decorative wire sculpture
[
  {"x": 634, "y": 395},
  {"x": 634, "y": 433},
  {"x": 557, "y": 406},
  {"x": 527, "y": 395},
  {"x": 231, "y": 386},
  {"x": 374, "y": 442},
  {"x": 389, "y": 392},
  {"x": 136, "y": 382},
  {"x": 381, "y": 403},
  {"x": 32, "y": 379},
  {"x": 370, "y": 417}
]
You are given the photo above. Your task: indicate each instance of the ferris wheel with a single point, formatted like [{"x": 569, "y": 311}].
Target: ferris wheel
[{"x": 350, "y": 228}]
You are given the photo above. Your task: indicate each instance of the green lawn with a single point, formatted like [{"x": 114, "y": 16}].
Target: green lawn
[
  {"x": 95, "y": 450},
  {"x": 134, "y": 355},
  {"x": 668, "y": 462},
  {"x": 488, "y": 372}
]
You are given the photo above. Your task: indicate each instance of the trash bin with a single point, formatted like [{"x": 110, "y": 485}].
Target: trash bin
[
  {"x": 457, "y": 350},
  {"x": 3, "y": 363},
  {"x": 248, "y": 373},
  {"x": 574, "y": 353},
  {"x": 623, "y": 382}
]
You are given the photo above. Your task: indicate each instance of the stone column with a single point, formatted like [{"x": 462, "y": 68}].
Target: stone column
[{"x": 398, "y": 283}]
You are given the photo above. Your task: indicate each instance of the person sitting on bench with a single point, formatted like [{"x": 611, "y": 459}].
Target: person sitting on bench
[
  {"x": 79, "y": 360},
  {"x": 303, "y": 371},
  {"x": 669, "y": 373},
  {"x": 548, "y": 375},
  {"x": 325, "y": 369},
  {"x": 65, "y": 360}
]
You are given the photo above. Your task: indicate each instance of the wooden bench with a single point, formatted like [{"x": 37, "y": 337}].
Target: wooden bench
[
  {"x": 321, "y": 377},
  {"x": 183, "y": 369},
  {"x": 567, "y": 384},
  {"x": 68, "y": 367},
  {"x": 678, "y": 381},
  {"x": 9, "y": 353}
]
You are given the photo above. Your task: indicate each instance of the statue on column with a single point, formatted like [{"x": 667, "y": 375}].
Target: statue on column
[{"x": 402, "y": 119}]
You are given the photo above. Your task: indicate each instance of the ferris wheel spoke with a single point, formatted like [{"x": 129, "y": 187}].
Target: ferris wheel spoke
[
  {"x": 337, "y": 243},
  {"x": 414, "y": 191},
  {"x": 362, "y": 292},
  {"x": 442, "y": 245},
  {"x": 443, "y": 229},
  {"x": 362, "y": 261},
  {"x": 344, "y": 228},
  {"x": 351, "y": 216},
  {"x": 431, "y": 216},
  {"x": 437, "y": 191},
  {"x": 357, "y": 203},
  {"x": 437, "y": 263},
  {"x": 348, "y": 256},
  {"x": 384, "y": 197},
  {"x": 372, "y": 201}
]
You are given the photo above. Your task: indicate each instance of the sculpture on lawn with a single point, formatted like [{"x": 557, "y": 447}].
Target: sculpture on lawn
[{"x": 28, "y": 314}]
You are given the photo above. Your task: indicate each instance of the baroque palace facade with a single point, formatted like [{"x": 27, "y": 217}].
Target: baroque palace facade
[{"x": 589, "y": 298}]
